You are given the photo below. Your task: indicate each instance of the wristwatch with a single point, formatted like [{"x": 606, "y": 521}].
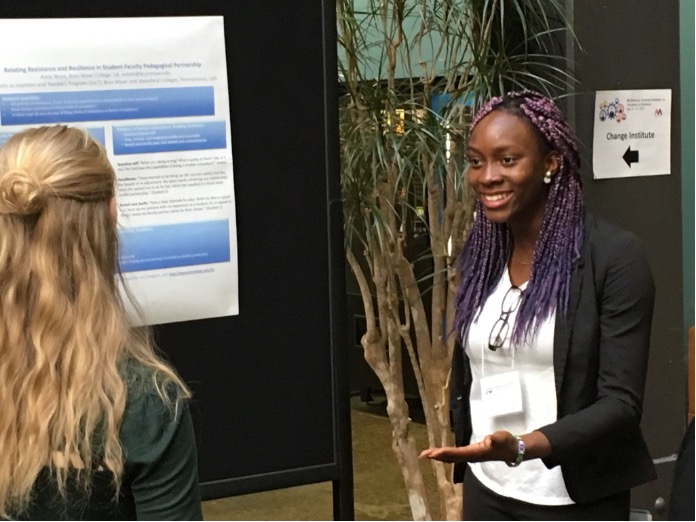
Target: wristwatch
[{"x": 520, "y": 453}]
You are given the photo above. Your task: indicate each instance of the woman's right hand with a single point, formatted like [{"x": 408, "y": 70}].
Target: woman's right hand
[{"x": 499, "y": 445}]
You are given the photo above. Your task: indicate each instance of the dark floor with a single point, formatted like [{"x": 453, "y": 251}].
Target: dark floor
[{"x": 379, "y": 490}]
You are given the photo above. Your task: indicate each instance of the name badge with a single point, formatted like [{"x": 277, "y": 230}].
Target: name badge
[{"x": 502, "y": 394}]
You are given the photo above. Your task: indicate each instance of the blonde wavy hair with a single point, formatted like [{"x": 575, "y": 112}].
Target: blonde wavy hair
[{"x": 64, "y": 334}]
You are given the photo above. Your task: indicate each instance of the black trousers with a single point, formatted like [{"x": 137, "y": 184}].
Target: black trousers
[{"x": 480, "y": 503}]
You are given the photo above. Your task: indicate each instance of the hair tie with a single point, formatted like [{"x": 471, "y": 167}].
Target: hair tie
[{"x": 21, "y": 193}]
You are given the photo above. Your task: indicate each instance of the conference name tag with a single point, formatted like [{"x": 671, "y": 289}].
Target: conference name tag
[{"x": 502, "y": 394}]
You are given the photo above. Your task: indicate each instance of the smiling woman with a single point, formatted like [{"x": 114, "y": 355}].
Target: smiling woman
[
  {"x": 507, "y": 167},
  {"x": 523, "y": 149},
  {"x": 551, "y": 381}
]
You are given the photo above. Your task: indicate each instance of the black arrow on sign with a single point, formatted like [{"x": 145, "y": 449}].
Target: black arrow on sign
[{"x": 630, "y": 156}]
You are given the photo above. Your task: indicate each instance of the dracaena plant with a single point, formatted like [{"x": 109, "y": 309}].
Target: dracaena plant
[{"x": 411, "y": 72}]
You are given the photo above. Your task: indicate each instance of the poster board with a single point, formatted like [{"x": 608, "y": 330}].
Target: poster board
[
  {"x": 270, "y": 403},
  {"x": 158, "y": 102}
]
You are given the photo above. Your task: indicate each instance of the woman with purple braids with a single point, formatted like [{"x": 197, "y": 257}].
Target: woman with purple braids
[{"x": 554, "y": 311}]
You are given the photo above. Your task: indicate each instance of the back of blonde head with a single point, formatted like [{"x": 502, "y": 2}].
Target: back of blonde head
[{"x": 64, "y": 335}]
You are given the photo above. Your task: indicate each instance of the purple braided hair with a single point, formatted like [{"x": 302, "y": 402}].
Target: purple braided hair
[{"x": 483, "y": 259}]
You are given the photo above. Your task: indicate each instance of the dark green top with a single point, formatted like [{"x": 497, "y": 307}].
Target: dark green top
[{"x": 160, "y": 480}]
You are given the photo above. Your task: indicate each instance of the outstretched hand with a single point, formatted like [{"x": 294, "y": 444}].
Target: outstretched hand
[{"x": 499, "y": 445}]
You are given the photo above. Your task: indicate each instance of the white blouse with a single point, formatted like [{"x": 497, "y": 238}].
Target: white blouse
[{"x": 531, "y": 481}]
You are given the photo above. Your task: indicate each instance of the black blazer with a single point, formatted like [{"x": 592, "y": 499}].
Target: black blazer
[{"x": 600, "y": 360}]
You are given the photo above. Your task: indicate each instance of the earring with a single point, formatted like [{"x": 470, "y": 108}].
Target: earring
[{"x": 547, "y": 177}]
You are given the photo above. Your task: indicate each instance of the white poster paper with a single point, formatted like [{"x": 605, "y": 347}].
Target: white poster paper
[
  {"x": 632, "y": 133},
  {"x": 154, "y": 92}
]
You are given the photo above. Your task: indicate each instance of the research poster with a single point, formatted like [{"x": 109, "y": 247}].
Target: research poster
[
  {"x": 154, "y": 92},
  {"x": 632, "y": 133}
]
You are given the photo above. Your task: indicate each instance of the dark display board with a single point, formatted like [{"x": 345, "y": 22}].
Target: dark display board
[
  {"x": 270, "y": 393},
  {"x": 634, "y": 44}
]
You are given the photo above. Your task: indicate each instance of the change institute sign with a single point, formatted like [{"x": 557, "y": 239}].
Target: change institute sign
[{"x": 632, "y": 133}]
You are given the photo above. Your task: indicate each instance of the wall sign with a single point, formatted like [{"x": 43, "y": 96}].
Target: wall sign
[{"x": 632, "y": 133}]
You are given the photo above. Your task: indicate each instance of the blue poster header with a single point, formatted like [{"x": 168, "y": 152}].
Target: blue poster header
[
  {"x": 97, "y": 133},
  {"x": 168, "y": 246},
  {"x": 119, "y": 104},
  {"x": 139, "y": 139}
]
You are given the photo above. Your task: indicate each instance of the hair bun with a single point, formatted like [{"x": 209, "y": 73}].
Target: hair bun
[{"x": 21, "y": 193}]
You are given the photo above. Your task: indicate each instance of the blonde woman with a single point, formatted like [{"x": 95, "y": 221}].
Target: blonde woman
[{"x": 93, "y": 425}]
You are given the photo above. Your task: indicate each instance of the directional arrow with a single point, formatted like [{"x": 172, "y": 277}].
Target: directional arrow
[{"x": 630, "y": 156}]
